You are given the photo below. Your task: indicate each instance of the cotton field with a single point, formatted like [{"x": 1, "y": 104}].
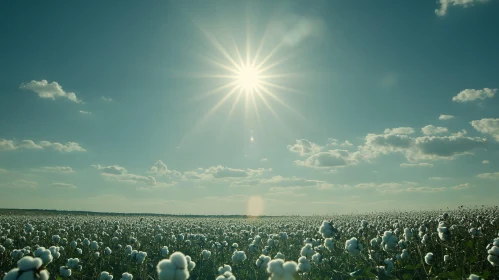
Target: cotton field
[{"x": 452, "y": 244}]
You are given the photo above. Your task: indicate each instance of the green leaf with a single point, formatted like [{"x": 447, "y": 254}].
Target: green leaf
[
  {"x": 407, "y": 276},
  {"x": 59, "y": 277},
  {"x": 486, "y": 274},
  {"x": 469, "y": 244},
  {"x": 410, "y": 267}
]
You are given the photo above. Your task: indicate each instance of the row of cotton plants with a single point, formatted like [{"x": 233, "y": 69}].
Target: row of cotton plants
[{"x": 457, "y": 244}]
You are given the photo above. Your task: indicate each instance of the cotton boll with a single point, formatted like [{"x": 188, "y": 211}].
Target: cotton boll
[
  {"x": 128, "y": 249},
  {"x": 316, "y": 258},
  {"x": 238, "y": 257},
  {"x": 279, "y": 255},
  {"x": 79, "y": 251},
  {"x": 174, "y": 268},
  {"x": 190, "y": 263},
  {"x": 389, "y": 241},
  {"x": 225, "y": 268},
  {"x": 73, "y": 244},
  {"x": 16, "y": 254},
  {"x": 425, "y": 239},
  {"x": 493, "y": 256},
  {"x": 126, "y": 276},
  {"x": 474, "y": 277},
  {"x": 94, "y": 245},
  {"x": 206, "y": 254},
  {"x": 107, "y": 251},
  {"x": 281, "y": 270},
  {"x": 227, "y": 275},
  {"x": 72, "y": 263},
  {"x": 96, "y": 255},
  {"x": 44, "y": 254},
  {"x": 307, "y": 251},
  {"x": 27, "y": 264},
  {"x": 304, "y": 265},
  {"x": 353, "y": 246},
  {"x": 327, "y": 230},
  {"x": 140, "y": 257},
  {"x": 65, "y": 271},
  {"x": 446, "y": 258},
  {"x": 105, "y": 276},
  {"x": 56, "y": 238},
  {"x": 262, "y": 262},
  {"x": 2, "y": 249},
  {"x": 55, "y": 252},
  {"x": 329, "y": 243},
  {"x": 407, "y": 234},
  {"x": 388, "y": 265},
  {"x": 443, "y": 233},
  {"x": 428, "y": 258}
]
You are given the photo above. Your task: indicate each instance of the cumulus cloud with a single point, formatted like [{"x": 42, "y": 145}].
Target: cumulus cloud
[
  {"x": 468, "y": 95},
  {"x": 24, "y": 184},
  {"x": 336, "y": 143},
  {"x": 431, "y": 129},
  {"x": 293, "y": 29},
  {"x": 85, "y": 112},
  {"x": 63, "y": 186},
  {"x": 304, "y": 147},
  {"x": 161, "y": 169},
  {"x": 118, "y": 173},
  {"x": 445, "y": 4},
  {"x": 55, "y": 169},
  {"x": 485, "y": 161},
  {"x": 222, "y": 172},
  {"x": 487, "y": 126},
  {"x": 329, "y": 159},
  {"x": 494, "y": 176},
  {"x": 277, "y": 182},
  {"x": 445, "y": 117},
  {"x": 3, "y": 170},
  {"x": 461, "y": 186},
  {"x": 8, "y": 145},
  {"x": 421, "y": 164},
  {"x": 399, "y": 130},
  {"x": 426, "y": 189},
  {"x": 106, "y": 99},
  {"x": 264, "y": 159},
  {"x": 376, "y": 144},
  {"x": 438, "y": 178},
  {"x": 48, "y": 90}
]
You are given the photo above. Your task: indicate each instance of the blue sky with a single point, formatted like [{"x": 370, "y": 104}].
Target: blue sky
[{"x": 349, "y": 106}]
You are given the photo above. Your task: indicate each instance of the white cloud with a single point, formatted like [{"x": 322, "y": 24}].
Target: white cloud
[
  {"x": 438, "y": 178},
  {"x": 24, "y": 184},
  {"x": 284, "y": 182},
  {"x": 461, "y": 186},
  {"x": 485, "y": 162},
  {"x": 425, "y": 189},
  {"x": 56, "y": 169},
  {"x": 85, "y": 112},
  {"x": 468, "y": 95},
  {"x": 445, "y": 4},
  {"x": 304, "y": 147},
  {"x": 487, "y": 126},
  {"x": 421, "y": 164},
  {"x": 106, "y": 99},
  {"x": 3, "y": 170},
  {"x": 444, "y": 147},
  {"x": 221, "y": 172},
  {"x": 376, "y": 144},
  {"x": 118, "y": 173},
  {"x": 264, "y": 159},
  {"x": 51, "y": 90},
  {"x": 431, "y": 129},
  {"x": 8, "y": 145},
  {"x": 337, "y": 143},
  {"x": 63, "y": 186},
  {"x": 493, "y": 176},
  {"x": 399, "y": 130},
  {"x": 329, "y": 159},
  {"x": 293, "y": 29},
  {"x": 160, "y": 168},
  {"x": 445, "y": 117}
]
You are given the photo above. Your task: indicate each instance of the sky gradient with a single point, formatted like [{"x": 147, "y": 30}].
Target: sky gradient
[{"x": 360, "y": 106}]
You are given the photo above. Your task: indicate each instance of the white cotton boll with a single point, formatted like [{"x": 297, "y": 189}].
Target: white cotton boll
[
  {"x": 107, "y": 251},
  {"x": 225, "y": 268},
  {"x": 281, "y": 270},
  {"x": 29, "y": 265},
  {"x": 428, "y": 258},
  {"x": 304, "y": 265},
  {"x": 16, "y": 254},
  {"x": 164, "y": 251},
  {"x": 238, "y": 257},
  {"x": 326, "y": 229},
  {"x": 96, "y": 255},
  {"x": 279, "y": 255},
  {"x": 94, "y": 245},
  {"x": 407, "y": 234},
  {"x": 44, "y": 254},
  {"x": 2, "y": 249},
  {"x": 227, "y": 275},
  {"x": 474, "y": 277},
  {"x": 425, "y": 239},
  {"x": 190, "y": 263},
  {"x": 126, "y": 276},
  {"x": 56, "y": 238},
  {"x": 206, "y": 254},
  {"x": 174, "y": 268},
  {"x": 329, "y": 243},
  {"x": 128, "y": 249},
  {"x": 79, "y": 251},
  {"x": 446, "y": 258},
  {"x": 389, "y": 241},
  {"x": 316, "y": 258},
  {"x": 307, "y": 251},
  {"x": 55, "y": 252},
  {"x": 86, "y": 242},
  {"x": 493, "y": 256},
  {"x": 73, "y": 244},
  {"x": 105, "y": 276},
  {"x": 443, "y": 233},
  {"x": 140, "y": 257},
  {"x": 353, "y": 247},
  {"x": 262, "y": 262},
  {"x": 404, "y": 255},
  {"x": 72, "y": 263},
  {"x": 65, "y": 271},
  {"x": 388, "y": 265}
]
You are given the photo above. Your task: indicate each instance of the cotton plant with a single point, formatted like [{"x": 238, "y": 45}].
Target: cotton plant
[
  {"x": 389, "y": 241},
  {"x": 307, "y": 251},
  {"x": 238, "y": 257},
  {"x": 44, "y": 254},
  {"x": 28, "y": 268},
  {"x": 327, "y": 230},
  {"x": 353, "y": 247},
  {"x": 493, "y": 256}
]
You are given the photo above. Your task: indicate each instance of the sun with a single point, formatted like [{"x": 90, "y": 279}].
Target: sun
[{"x": 248, "y": 79}]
